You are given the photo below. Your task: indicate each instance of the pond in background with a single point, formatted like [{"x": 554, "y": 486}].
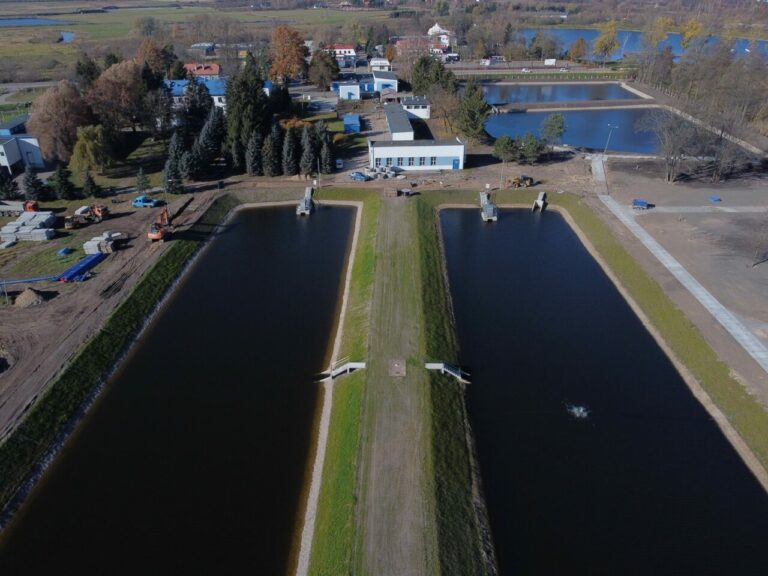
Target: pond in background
[
  {"x": 193, "y": 459},
  {"x": 630, "y": 40},
  {"x": 496, "y": 94},
  {"x": 646, "y": 483},
  {"x": 583, "y": 128}
]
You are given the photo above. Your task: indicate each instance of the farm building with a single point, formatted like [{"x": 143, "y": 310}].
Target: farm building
[{"x": 351, "y": 123}]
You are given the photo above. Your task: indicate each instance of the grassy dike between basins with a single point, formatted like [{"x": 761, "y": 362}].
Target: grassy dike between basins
[
  {"x": 334, "y": 535},
  {"x": 65, "y": 398},
  {"x": 740, "y": 416},
  {"x": 464, "y": 544}
]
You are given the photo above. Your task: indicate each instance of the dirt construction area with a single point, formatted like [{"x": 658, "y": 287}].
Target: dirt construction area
[
  {"x": 721, "y": 241},
  {"x": 41, "y": 331}
]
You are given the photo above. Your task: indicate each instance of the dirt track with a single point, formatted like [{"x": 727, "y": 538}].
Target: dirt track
[
  {"x": 398, "y": 537},
  {"x": 42, "y": 339}
]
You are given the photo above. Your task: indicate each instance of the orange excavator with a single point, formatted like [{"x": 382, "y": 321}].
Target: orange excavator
[{"x": 161, "y": 229}]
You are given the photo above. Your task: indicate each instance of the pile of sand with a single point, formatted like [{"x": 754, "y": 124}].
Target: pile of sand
[{"x": 29, "y": 297}]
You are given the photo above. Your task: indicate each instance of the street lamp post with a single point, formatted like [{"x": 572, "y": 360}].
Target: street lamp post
[{"x": 607, "y": 141}]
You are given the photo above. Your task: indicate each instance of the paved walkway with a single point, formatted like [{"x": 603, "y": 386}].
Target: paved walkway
[
  {"x": 733, "y": 325},
  {"x": 704, "y": 210}
]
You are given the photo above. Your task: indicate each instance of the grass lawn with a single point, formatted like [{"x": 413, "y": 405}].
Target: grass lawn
[{"x": 334, "y": 530}]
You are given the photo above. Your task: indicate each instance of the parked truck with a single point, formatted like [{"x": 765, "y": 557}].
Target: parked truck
[{"x": 11, "y": 208}]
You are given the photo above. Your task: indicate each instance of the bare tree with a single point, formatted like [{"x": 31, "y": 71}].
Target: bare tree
[{"x": 677, "y": 138}]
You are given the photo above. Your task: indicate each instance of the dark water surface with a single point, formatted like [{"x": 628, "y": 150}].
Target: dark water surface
[
  {"x": 646, "y": 484},
  {"x": 496, "y": 94},
  {"x": 192, "y": 461},
  {"x": 583, "y": 128}
]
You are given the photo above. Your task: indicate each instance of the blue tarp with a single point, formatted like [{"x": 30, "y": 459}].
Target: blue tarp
[
  {"x": 77, "y": 273},
  {"x": 714, "y": 198}
]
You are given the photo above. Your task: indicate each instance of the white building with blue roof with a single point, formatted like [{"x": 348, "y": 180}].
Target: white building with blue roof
[{"x": 217, "y": 88}]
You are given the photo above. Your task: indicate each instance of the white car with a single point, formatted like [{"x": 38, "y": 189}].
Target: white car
[
  {"x": 525, "y": 70},
  {"x": 339, "y": 164}
]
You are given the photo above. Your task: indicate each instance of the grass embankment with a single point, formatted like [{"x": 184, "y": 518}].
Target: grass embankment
[
  {"x": 459, "y": 542},
  {"x": 744, "y": 412},
  {"x": 51, "y": 413},
  {"x": 334, "y": 529}
]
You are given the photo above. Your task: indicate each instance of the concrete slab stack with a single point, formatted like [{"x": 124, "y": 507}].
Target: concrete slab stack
[{"x": 29, "y": 226}]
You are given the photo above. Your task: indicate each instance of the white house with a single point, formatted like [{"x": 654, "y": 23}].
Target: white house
[
  {"x": 340, "y": 50},
  {"x": 416, "y": 155},
  {"x": 397, "y": 122},
  {"x": 379, "y": 65},
  {"x": 384, "y": 81},
  {"x": 416, "y": 107}
]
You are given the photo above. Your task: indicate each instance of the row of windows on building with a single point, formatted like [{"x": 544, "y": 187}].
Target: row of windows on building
[{"x": 422, "y": 161}]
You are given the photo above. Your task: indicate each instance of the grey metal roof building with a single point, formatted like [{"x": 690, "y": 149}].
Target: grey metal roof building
[{"x": 398, "y": 124}]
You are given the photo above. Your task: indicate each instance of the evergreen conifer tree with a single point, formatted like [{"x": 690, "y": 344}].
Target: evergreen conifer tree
[
  {"x": 90, "y": 188},
  {"x": 33, "y": 187},
  {"x": 308, "y": 159},
  {"x": 253, "y": 164},
  {"x": 270, "y": 163},
  {"x": 291, "y": 153},
  {"x": 247, "y": 109},
  {"x": 473, "y": 111},
  {"x": 9, "y": 189},
  {"x": 176, "y": 148},
  {"x": 142, "y": 182},
  {"x": 172, "y": 183},
  {"x": 326, "y": 158},
  {"x": 61, "y": 184}
]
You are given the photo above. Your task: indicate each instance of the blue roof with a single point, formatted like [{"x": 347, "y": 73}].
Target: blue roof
[
  {"x": 216, "y": 87},
  {"x": 352, "y": 119}
]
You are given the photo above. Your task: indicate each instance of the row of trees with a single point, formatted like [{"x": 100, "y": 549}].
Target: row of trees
[
  {"x": 713, "y": 83},
  {"x": 58, "y": 186}
]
